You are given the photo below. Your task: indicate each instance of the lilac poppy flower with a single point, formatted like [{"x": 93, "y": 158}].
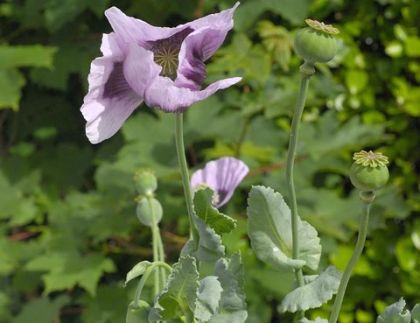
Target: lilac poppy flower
[
  {"x": 163, "y": 67},
  {"x": 222, "y": 176}
]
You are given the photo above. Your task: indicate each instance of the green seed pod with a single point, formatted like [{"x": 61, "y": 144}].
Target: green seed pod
[
  {"x": 316, "y": 44},
  {"x": 146, "y": 182},
  {"x": 149, "y": 210},
  {"x": 369, "y": 171}
]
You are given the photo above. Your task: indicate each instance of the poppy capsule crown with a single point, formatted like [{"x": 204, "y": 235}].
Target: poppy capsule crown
[
  {"x": 369, "y": 171},
  {"x": 316, "y": 43}
]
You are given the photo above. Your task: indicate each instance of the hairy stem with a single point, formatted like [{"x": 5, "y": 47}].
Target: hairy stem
[
  {"x": 182, "y": 161},
  {"x": 361, "y": 239},
  {"x": 306, "y": 71}
]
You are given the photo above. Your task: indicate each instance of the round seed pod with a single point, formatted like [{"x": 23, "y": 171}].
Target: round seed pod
[
  {"x": 316, "y": 44},
  {"x": 369, "y": 171},
  {"x": 137, "y": 312},
  {"x": 149, "y": 210},
  {"x": 145, "y": 182}
]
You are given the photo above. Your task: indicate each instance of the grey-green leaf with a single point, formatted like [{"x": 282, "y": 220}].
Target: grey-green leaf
[
  {"x": 395, "y": 313},
  {"x": 137, "y": 270},
  {"x": 269, "y": 228},
  {"x": 317, "y": 320},
  {"x": 209, "y": 294},
  {"x": 314, "y": 294},
  {"x": 415, "y": 313},
  {"x": 204, "y": 209},
  {"x": 180, "y": 293},
  {"x": 208, "y": 248},
  {"x": 233, "y": 308}
]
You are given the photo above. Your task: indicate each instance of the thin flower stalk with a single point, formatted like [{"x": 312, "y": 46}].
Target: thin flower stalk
[
  {"x": 361, "y": 239},
  {"x": 183, "y": 166},
  {"x": 306, "y": 71}
]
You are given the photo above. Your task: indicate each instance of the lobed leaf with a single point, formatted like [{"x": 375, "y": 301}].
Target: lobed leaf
[
  {"x": 395, "y": 313},
  {"x": 208, "y": 247},
  {"x": 180, "y": 293},
  {"x": 269, "y": 228},
  {"x": 233, "y": 308},
  {"x": 204, "y": 209},
  {"x": 314, "y": 294},
  {"x": 208, "y": 298}
]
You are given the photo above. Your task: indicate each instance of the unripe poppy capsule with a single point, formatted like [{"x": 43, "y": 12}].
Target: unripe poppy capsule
[
  {"x": 316, "y": 44},
  {"x": 369, "y": 171},
  {"x": 145, "y": 181}
]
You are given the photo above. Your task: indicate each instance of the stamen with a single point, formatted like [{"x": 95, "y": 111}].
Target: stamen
[{"x": 166, "y": 52}]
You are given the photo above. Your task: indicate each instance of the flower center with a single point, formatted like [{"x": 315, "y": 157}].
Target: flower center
[{"x": 166, "y": 52}]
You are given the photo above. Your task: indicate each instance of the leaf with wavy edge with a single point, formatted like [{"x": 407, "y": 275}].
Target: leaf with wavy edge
[
  {"x": 269, "y": 228},
  {"x": 314, "y": 294},
  {"x": 395, "y": 313}
]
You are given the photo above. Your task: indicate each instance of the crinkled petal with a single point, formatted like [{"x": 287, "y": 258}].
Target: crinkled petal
[
  {"x": 140, "y": 69},
  {"x": 222, "y": 20},
  {"x": 165, "y": 95},
  {"x": 110, "y": 100},
  {"x": 196, "y": 48},
  {"x": 140, "y": 32},
  {"x": 222, "y": 175},
  {"x": 110, "y": 47}
]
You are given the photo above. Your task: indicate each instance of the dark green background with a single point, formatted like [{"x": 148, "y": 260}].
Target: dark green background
[{"x": 68, "y": 231}]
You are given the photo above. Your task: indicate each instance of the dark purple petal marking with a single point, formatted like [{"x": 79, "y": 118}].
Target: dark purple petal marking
[{"x": 116, "y": 85}]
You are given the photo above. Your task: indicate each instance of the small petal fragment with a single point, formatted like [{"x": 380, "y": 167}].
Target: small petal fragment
[{"x": 222, "y": 175}]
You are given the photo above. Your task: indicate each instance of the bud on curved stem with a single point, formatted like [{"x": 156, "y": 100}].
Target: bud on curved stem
[{"x": 368, "y": 173}]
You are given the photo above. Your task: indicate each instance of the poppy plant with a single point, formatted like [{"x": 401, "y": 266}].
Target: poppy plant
[
  {"x": 222, "y": 176},
  {"x": 160, "y": 66}
]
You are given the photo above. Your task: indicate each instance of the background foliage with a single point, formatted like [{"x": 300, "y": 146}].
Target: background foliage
[{"x": 68, "y": 231}]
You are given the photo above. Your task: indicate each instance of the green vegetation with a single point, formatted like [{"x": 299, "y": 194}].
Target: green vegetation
[{"x": 68, "y": 226}]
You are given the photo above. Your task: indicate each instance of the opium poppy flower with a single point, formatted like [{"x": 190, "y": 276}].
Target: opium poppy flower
[{"x": 160, "y": 66}]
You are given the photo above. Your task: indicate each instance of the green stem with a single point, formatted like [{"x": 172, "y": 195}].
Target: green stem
[
  {"x": 146, "y": 275},
  {"x": 156, "y": 257},
  {"x": 161, "y": 253},
  {"x": 306, "y": 72},
  {"x": 182, "y": 161},
  {"x": 361, "y": 239}
]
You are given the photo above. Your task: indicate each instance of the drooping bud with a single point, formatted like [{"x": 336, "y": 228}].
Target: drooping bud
[
  {"x": 149, "y": 211},
  {"x": 146, "y": 182},
  {"x": 137, "y": 312},
  {"x": 369, "y": 171},
  {"x": 316, "y": 43}
]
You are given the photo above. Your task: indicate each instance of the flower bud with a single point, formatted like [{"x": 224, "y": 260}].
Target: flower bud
[
  {"x": 316, "y": 44},
  {"x": 137, "y": 312},
  {"x": 149, "y": 211},
  {"x": 369, "y": 171},
  {"x": 146, "y": 182}
]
